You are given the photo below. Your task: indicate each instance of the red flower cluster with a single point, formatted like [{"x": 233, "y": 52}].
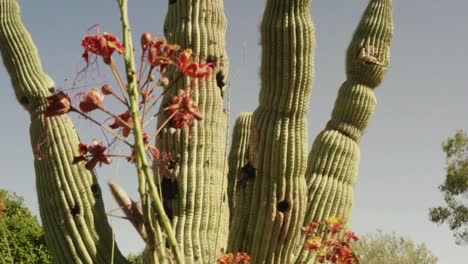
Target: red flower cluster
[
  {"x": 96, "y": 152},
  {"x": 240, "y": 258},
  {"x": 160, "y": 53},
  {"x": 192, "y": 69},
  {"x": 185, "y": 111},
  {"x": 101, "y": 45},
  {"x": 337, "y": 252},
  {"x": 334, "y": 250},
  {"x": 58, "y": 104}
]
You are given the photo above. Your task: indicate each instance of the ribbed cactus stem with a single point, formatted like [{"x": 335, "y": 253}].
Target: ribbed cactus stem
[
  {"x": 70, "y": 200},
  {"x": 241, "y": 177},
  {"x": 278, "y": 142},
  {"x": 334, "y": 159},
  {"x": 200, "y": 25}
]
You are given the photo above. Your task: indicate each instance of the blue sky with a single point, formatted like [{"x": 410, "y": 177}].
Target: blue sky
[{"x": 420, "y": 104}]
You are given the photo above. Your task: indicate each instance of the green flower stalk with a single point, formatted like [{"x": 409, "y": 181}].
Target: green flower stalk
[{"x": 71, "y": 207}]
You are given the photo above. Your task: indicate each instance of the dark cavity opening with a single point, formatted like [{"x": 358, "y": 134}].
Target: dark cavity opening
[
  {"x": 24, "y": 101},
  {"x": 246, "y": 176},
  {"x": 170, "y": 188},
  {"x": 283, "y": 206},
  {"x": 75, "y": 210}
]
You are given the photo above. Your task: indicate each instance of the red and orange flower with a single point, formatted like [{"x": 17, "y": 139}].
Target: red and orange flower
[{"x": 102, "y": 45}]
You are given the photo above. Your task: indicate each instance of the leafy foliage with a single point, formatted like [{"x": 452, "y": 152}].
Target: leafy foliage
[
  {"x": 455, "y": 188},
  {"x": 380, "y": 248},
  {"x": 21, "y": 237},
  {"x": 135, "y": 258}
]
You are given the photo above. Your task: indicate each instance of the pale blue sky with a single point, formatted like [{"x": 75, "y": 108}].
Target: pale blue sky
[{"x": 422, "y": 101}]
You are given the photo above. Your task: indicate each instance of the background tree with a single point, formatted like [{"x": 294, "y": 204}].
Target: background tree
[
  {"x": 380, "y": 248},
  {"x": 455, "y": 188},
  {"x": 21, "y": 237}
]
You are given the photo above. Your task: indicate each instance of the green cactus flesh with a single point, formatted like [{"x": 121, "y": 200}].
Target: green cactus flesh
[
  {"x": 278, "y": 137},
  {"x": 70, "y": 201},
  {"x": 334, "y": 159},
  {"x": 200, "y": 213}
]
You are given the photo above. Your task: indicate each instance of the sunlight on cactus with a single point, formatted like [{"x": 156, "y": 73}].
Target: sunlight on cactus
[{"x": 267, "y": 200}]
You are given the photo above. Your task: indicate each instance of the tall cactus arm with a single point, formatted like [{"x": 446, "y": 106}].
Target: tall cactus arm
[
  {"x": 240, "y": 178},
  {"x": 334, "y": 159},
  {"x": 70, "y": 201},
  {"x": 201, "y": 203},
  {"x": 278, "y": 138}
]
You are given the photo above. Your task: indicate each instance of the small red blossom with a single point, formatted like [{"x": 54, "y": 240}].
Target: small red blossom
[
  {"x": 185, "y": 111},
  {"x": 98, "y": 156},
  {"x": 314, "y": 244},
  {"x": 58, "y": 104},
  {"x": 96, "y": 151},
  {"x": 226, "y": 259},
  {"x": 335, "y": 224},
  {"x": 92, "y": 100},
  {"x": 311, "y": 229},
  {"x": 82, "y": 150},
  {"x": 240, "y": 258},
  {"x": 192, "y": 69},
  {"x": 101, "y": 45},
  {"x": 159, "y": 52},
  {"x": 350, "y": 237},
  {"x": 126, "y": 128},
  {"x": 340, "y": 254}
]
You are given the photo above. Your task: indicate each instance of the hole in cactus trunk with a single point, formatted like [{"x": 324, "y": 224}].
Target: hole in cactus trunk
[
  {"x": 75, "y": 210},
  {"x": 170, "y": 188},
  {"x": 168, "y": 210},
  {"x": 172, "y": 2},
  {"x": 246, "y": 176},
  {"x": 24, "y": 101},
  {"x": 283, "y": 206}
]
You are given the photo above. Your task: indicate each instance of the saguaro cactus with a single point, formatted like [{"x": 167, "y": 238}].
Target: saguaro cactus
[
  {"x": 70, "y": 201},
  {"x": 200, "y": 208},
  {"x": 270, "y": 190},
  {"x": 276, "y": 151}
]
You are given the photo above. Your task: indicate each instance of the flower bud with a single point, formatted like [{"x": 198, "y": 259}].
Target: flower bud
[
  {"x": 163, "y": 81},
  {"x": 145, "y": 40},
  {"x": 106, "y": 89}
]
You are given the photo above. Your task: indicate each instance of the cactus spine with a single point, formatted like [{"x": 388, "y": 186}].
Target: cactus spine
[{"x": 70, "y": 202}]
